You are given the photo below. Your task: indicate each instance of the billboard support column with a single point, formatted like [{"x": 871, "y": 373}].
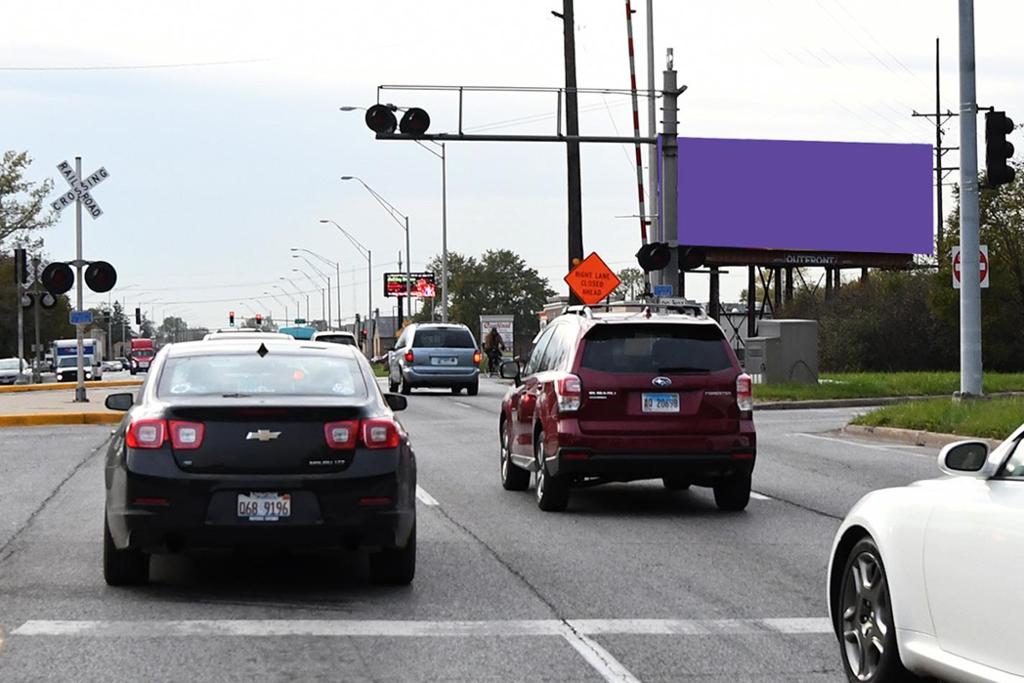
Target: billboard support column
[
  {"x": 751, "y": 303},
  {"x": 714, "y": 307},
  {"x": 789, "y": 284},
  {"x": 970, "y": 288},
  {"x": 670, "y": 165}
]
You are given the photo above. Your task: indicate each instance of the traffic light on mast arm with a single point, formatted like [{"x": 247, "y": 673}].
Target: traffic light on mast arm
[
  {"x": 998, "y": 149},
  {"x": 20, "y": 266},
  {"x": 231, "y": 318}
]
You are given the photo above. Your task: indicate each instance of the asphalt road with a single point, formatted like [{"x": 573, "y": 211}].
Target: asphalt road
[{"x": 631, "y": 583}]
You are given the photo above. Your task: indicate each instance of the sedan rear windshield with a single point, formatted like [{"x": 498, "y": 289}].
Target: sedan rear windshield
[
  {"x": 655, "y": 348},
  {"x": 443, "y": 338},
  {"x": 276, "y": 374},
  {"x": 337, "y": 339}
]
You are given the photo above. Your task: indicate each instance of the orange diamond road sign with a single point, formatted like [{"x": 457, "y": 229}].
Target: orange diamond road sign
[{"x": 592, "y": 280}]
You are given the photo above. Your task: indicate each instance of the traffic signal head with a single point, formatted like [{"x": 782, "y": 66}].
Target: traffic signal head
[
  {"x": 231, "y": 317},
  {"x": 20, "y": 266},
  {"x": 100, "y": 276},
  {"x": 415, "y": 121},
  {"x": 998, "y": 149},
  {"x": 381, "y": 120},
  {"x": 58, "y": 278},
  {"x": 138, "y": 316},
  {"x": 259, "y": 319},
  {"x": 653, "y": 256}
]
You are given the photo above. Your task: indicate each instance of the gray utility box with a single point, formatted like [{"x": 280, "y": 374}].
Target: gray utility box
[{"x": 786, "y": 351}]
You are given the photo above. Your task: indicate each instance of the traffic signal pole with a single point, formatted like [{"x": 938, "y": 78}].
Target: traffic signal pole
[
  {"x": 970, "y": 284},
  {"x": 80, "y": 396},
  {"x": 669, "y": 213}
]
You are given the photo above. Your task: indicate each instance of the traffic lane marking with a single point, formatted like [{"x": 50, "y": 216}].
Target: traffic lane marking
[
  {"x": 759, "y": 496},
  {"x": 406, "y": 628},
  {"x": 425, "y": 498},
  {"x": 907, "y": 450},
  {"x": 599, "y": 659}
]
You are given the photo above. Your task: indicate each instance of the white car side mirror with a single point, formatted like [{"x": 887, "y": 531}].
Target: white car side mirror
[{"x": 966, "y": 459}]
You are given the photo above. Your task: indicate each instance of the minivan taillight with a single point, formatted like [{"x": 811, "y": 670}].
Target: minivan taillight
[
  {"x": 380, "y": 433},
  {"x": 477, "y": 357},
  {"x": 186, "y": 436},
  {"x": 146, "y": 433},
  {"x": 409, "y": 356},
  {"x": 744, "y": 393},
  {"x": 341, "y": 435},
  {"x": 569, "y": 391}
]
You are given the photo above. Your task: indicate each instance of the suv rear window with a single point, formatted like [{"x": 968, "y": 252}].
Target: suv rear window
[
  {"x": 655, "y": 348},
  {"x": 336, "y": 339},
  {"x": 443, "y": 338}
]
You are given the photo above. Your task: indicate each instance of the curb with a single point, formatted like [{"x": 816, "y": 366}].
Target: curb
[
  {"x": 913, "y": 437},
  {"x": 63, "y": 386},
  {"x": 44, "y": 419},
  {"x": 872, "y": 402}
]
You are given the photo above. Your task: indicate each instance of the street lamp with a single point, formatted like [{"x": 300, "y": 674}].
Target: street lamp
[
  {"x": 337, "y": 272},
  {"x": 395, "y": 215},
  {"x": 286, "y": 295},
  {"x": 300, "y": 293},
  {"x": 315, "y": 286},
  {"x": 444, "y": 214},
  {"x": 365, "y": 253},
  {"x": 327, "y": 278},
  {"x": 283, "y": 303}
]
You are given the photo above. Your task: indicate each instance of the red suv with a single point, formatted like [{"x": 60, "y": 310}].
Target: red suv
[{"x": 628, "y": 395}]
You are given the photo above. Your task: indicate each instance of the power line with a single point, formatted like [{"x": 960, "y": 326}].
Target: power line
[{"x": 135, "y": 67}]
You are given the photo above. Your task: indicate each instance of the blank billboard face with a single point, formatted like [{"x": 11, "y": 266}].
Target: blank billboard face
[{"x": 806, "y": 196}]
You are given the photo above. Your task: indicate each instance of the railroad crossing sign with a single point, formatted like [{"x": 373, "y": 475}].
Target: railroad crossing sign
[
  {"x": 983, "y": 267},
  {"x": 592, "y": 280},
  {"x": 79, "y": 189}
]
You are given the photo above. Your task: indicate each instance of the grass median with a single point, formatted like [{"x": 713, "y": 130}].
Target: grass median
[
  {"x": 875, "y": 384},
  {"x": 991, "y": 419}
]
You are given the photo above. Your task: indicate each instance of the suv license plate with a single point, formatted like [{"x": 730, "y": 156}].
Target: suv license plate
[
  {"x": 444, "y": 360},
  {"x": 264, "y": 507},
  {"x": 660, "y": 403}
]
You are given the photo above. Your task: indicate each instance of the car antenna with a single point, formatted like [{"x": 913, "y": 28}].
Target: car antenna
[{"x": 263, "y": 350}]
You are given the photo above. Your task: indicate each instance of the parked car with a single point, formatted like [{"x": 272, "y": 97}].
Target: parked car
[
  {"x": 268, "y": 443},
  {"x": 335, "y": 337},
  {"x": 628, "y": 394},
  {"x": 921, "y": 576},
  {"x": 14, "y": 371},
  {"x": 113, "y": 365},
  {"x": 435, "y": 355}
]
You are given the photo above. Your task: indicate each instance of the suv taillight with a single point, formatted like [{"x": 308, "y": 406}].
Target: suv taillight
[
  {"x": 380, "y": 433},
  {"x": 744, "y": 393},
  {"x": 186, "y": 436},
  {"x": 146, "y": 434},
  {"x": 341, "y": 435},
  {"x": 569, "y": 391}
]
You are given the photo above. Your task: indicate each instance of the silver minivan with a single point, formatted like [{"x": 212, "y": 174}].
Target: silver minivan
[{"x": 435, "y": 355}]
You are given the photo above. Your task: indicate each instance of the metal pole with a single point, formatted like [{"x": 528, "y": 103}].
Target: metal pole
[
  {"x": 80, "y": 396},
  {"x": 110, "y": 328},
  {"x": 327, "y": 320},
  {"x": 408, "y": 271},
  {"x": 940, "y": 252},
  {"x": 572, "y": 147},
  {"x": 444, "y": 235},
  {"x": 652, "y": 129},
  {"x": 19, "y": 290},
  {"x": 369, "y": 286},
  {"x": 970, "y": 286},
  {"x": 670, "y": 172},
  {"x": 337, "y": 285},
  {"x": 36, "y": 376}
]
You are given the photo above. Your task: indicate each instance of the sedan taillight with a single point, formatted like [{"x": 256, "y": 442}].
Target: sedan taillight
[
  {"x": 146, "y": 433},
  {"x": 569, "y": 391},
  {"x": 186, "y": 436},
  {"x": 380, "y": 433},
  {"x": 744, "y": 393},
  {"x": 341, "y": 435}
]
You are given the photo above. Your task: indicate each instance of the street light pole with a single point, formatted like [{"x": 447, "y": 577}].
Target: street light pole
[
  {"x": 369, "y": 264},
  {"x": 283, "y": 303}
]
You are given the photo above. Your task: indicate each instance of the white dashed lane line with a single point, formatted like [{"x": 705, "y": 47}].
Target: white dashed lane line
[
  {"x": 759, "y": 496},
  {"x": 908, "y": 450},
  {"x": 425, "y": 498}
]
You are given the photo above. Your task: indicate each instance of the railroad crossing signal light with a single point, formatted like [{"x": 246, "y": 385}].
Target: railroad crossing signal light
[
  {"x": 100, "y": 276},
  {"x": 691, "y": 258},
  {"x": 381, "y": 119},
  {"x": 653, "y": 256},
  {"x": 231, "y": 318},
  {"x": 138, "y": 316},
  {"x": 58, "y": 278},
  {"x": 415, "y": 121},
  {"x": 998, "y": 149},
  {"x": 20, "y": 266}
]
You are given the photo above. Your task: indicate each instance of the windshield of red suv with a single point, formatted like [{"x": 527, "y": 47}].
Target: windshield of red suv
[
  {"x": 441, "y": 338},
  {"x": 655, "y": 348}
]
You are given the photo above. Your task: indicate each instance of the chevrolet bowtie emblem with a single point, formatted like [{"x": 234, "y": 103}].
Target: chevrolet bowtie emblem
[{"x": 263, "y": 435}]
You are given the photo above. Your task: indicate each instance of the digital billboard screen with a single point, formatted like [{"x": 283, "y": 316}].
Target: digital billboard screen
[
  {"x": 423, "y": 286},
  {"x": 806, "y": 196}
]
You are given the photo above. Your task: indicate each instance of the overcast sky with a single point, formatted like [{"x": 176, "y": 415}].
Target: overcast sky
[{"x": 216, "y": 170}]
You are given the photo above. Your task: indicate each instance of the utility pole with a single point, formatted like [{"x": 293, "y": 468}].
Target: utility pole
[
  {"x": 572, "y": 147},
  {"x": 941, "y": 118},
  {"x": 657, "y": 234},
  {"x": 970, "y": 286},
  {"x": 444, "y": 235},
  {"x": 670, "y": 175},
  {"x": 406, "y": 292}
]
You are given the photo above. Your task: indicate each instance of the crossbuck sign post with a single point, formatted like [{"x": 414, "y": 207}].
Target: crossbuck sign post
[{"x": 79, "y": 196}]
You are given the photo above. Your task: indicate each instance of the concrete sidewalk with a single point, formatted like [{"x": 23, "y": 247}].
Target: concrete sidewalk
[{"x": 58, "y": 407}]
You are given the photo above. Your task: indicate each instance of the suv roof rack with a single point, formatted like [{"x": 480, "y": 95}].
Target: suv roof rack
[{"x": 677, "y": 306}]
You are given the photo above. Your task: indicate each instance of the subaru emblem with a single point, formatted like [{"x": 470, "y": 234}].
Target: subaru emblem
[{"x": 661, "y": 381}]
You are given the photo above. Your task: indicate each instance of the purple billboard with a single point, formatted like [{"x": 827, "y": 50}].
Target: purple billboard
[{"x": 806, "y": 196}]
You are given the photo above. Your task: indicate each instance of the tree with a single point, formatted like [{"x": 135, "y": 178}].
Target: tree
[
  {"x": 172, "y": 329},
  {"x": 500, "y": 282},
  {"x": 632, "y": 286},
  {"x": 53, "y": 322},
  {"x": 22, "y": 202}
]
